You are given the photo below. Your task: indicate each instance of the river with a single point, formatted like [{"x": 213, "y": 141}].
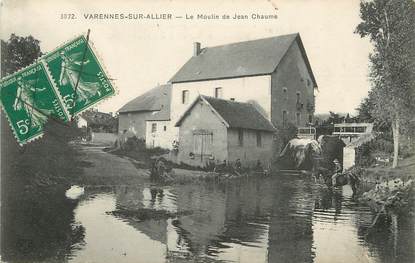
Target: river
[{"x": 272, "y": 219}]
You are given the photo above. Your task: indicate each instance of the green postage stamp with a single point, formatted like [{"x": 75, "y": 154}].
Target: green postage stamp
[
  {"x": 78, "y": 75},
  {"x": 29, "y": 98}
]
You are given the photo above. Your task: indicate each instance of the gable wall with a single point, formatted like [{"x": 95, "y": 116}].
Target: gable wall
[
  {"x": 134, "y": 123},
  {"x": 202, "y": 117},
  {"x": 161, "y": 137},
  {"x": 293, "y": 75},
  {"x": 255, "y": 89}
]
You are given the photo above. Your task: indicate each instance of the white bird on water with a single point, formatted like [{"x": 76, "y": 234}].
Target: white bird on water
[{"x": 74, "y": 192}]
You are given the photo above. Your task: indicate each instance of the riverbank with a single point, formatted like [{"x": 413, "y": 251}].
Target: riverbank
[
  {"x": 391, "y": 189},
  {"x": 34, "y": 179},
  {"x": 104, "y": 169},
  {"x": 156, "y": 163},
  {"x": 405, "y": 171}
]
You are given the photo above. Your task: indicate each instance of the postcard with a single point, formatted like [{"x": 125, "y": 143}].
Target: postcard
[{"x": 207, "y": 131}]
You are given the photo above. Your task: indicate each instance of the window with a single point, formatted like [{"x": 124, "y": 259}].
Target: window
[
  {"x": 310, "y": 118},
  {"x": 258, "y": 139},
  {"x": 240, "y": 137},
  {"x": 165, "y": 128},
  {"x": 285, "y": 93},
  {"x": 298, "y": 97},
  {"x": 185, "y": 96},
  {"x": 218, "y": 92},
  {"x": 298, "y": 118},
  {"x": 284, "y": 118},
  {"x": 202, "y": 143},
  {"x": 153, "y": 127}
]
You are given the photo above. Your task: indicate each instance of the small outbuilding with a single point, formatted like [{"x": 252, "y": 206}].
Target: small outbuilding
[
  {"x": 217, "y": 130},
  {"x": 153, "y": 105},
  {"x": 98, "y": 127}
]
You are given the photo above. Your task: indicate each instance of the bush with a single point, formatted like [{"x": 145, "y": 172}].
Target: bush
[
  {"x": 48, "y": 161},
  {"x": 407, "y": 147},
  {"x": 381, "y": 145},
  {"x": 134, "y": 144}
]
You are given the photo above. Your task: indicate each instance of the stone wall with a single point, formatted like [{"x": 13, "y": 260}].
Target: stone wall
[
  {"x": 134, "y": 123},
  {"x": 202, "y": 117},
  {"x": 249, "y": 153},
  {"x": 291, "y": 77}
]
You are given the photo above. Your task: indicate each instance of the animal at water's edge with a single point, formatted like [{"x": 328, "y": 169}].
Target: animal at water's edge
[
  {"x": 331, "y": 148},
  {"x": 299, "y": 154},
  {"x": 318, "y": 157}
]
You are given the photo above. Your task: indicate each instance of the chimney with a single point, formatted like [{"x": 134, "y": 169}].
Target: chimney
[{"x": 196, "y": 49}]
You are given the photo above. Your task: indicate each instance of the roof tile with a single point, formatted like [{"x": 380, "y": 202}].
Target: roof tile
[
  {"x": 236, "y": 114},
  {"x": 156, "y": 99}
]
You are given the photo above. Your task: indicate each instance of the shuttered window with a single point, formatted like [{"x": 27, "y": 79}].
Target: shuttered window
[
  {"x": 185, "y": 96},
  {"x": 284, "y": 118},
  {"x": 218, "y": 92},
  {"x": 240, "y": 137},
  {"x": 258, "y": 139},
  {"x": 298, "y": 118},
  {"x": 153, "y": 127}
]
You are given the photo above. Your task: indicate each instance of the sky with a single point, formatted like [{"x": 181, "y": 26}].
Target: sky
[{"x": 139, "y": 54}]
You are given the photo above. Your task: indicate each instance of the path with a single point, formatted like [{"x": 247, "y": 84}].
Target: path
[{"x": 107, "y": 169}]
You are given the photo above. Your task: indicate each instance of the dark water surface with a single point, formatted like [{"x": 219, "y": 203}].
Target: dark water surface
[{"x": 274, "y": 219}]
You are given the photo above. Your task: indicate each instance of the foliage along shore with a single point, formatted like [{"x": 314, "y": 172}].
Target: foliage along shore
[{"x": 392, "y": 189}]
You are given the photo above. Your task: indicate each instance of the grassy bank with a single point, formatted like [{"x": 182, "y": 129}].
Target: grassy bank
[
  {"x": 404, "y": 171},
  {"x": 136, "y": 150},
  {"x": 47, "y": 163},
  {"x": 34, "y": 179},
  {"x": 392, "y": 189}
]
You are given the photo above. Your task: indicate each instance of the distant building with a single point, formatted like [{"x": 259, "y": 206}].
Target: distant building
[
  {"x": 217, "y": 129},
  {"x": 153, "y": 106},
  {"x": 272, "y": 74},
  {"x": 98, "y": 127}
]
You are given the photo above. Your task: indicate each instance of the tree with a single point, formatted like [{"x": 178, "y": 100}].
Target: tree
[
  {"x": 334, "y": 118},
  {"x": 19, "y": 52},
  {"x": 390, "y": 26},
  {"x": 364, "y": 111},
  {"x": 34, "y": 179}
]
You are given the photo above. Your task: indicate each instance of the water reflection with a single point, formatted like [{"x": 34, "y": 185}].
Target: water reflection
[{"x": 276, "y": 219}]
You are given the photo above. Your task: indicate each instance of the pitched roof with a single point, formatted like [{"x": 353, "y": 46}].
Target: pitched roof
[
  {"x": 249, "y": 58},
  {"x": 162, "y": 115},
  {"x": 235, "y": 114},
  {"x": 156, "y": 99}
]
